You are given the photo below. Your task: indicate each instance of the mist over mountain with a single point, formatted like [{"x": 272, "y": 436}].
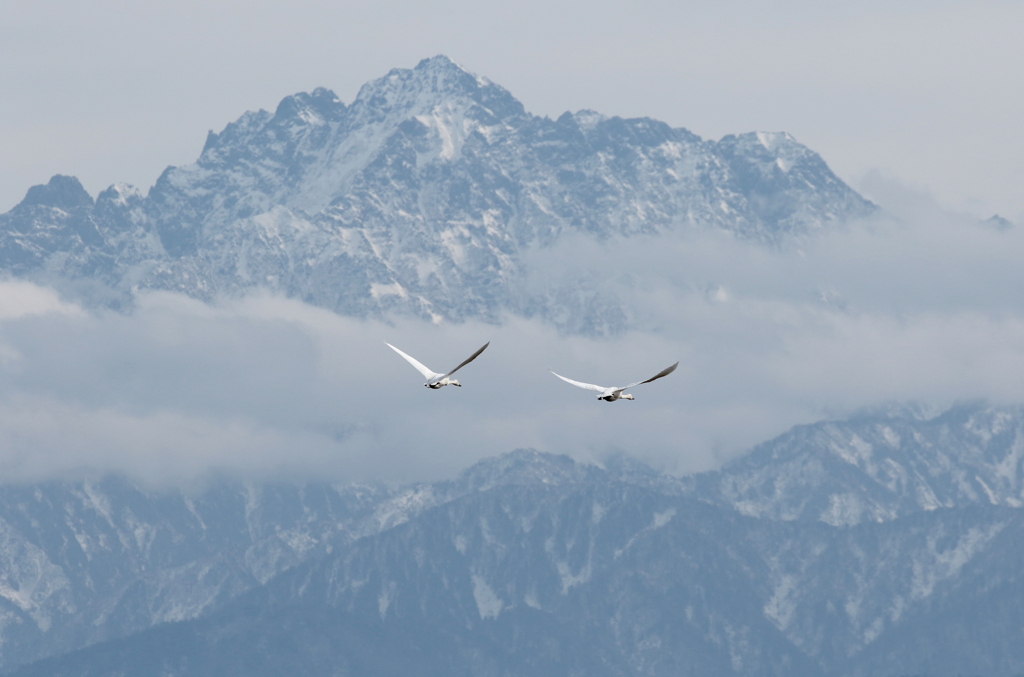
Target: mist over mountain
[
  {"x": 177, "y": 365},
  {"x": 425, "y": 195},
  {"x": 532, "y": 563}
]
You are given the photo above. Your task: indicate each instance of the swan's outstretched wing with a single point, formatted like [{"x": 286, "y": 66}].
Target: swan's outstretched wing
[
  {"x": 587, "y": 386},
  {"x": 664, "y": 372},
  {"x": 427, "y": 374},
  {"x": 468, "y": 359}
]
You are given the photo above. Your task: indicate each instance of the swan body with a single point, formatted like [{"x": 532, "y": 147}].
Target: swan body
[
  {"x": 613, "y": 393},
  {"x": 434, "y": 379}
]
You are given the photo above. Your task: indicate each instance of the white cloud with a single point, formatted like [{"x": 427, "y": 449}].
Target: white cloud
[
  {"x": 924, "y": 308},
  {"x": 19, "y": 299}
]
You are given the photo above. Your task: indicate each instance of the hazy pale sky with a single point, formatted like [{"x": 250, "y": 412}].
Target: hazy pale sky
[{"x": 926, "y": 91}]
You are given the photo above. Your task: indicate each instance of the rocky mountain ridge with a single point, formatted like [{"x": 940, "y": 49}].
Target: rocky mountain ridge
[
  {"x": 422, "y": 196},
  {"x": 531, "y": 563},
  {"x": 879, "y": 466}
]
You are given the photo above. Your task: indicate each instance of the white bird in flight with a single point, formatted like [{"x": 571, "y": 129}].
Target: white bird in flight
[
  {"x": 435, "y": 380},
  {"x": 615, "y": 393}
]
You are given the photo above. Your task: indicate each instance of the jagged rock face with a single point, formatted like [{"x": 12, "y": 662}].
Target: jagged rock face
[
  {"x": 533, "y": 564},
  {"x": 421, "y": 196}
]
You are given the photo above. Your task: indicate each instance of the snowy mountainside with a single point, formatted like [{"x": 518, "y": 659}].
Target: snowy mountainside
[
  {"x": 738, "y": 571},
  {"x": 879, "y": 466},
  {"x": 421, "y": 196},
  {"x": 87, "y": 561},
  {"x": 562, "y": 571},
  {"x": 92, "y": 560}
]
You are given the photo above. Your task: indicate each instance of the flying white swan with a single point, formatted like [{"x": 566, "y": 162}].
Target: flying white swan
[
  {"x": 614, "y": 393},
  {"x": 435, "y": 380}
]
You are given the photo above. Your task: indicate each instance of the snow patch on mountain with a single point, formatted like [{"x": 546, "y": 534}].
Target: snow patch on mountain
[{"x": 488, "y": 604}]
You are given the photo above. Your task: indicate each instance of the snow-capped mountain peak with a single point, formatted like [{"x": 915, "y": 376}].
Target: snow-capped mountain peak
[{"x": 423, "y": 196}]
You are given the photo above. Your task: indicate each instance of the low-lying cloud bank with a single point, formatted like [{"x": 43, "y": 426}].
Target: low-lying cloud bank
[{"x": 898, "y": 310}]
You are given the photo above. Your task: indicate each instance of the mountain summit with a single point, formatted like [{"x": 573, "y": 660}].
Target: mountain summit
[{"x": 421, "y": 196}]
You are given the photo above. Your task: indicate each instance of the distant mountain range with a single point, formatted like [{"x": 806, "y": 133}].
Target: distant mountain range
[
  {"x": 422, "y": 196},
  {"x": 885, "y": 544}
]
